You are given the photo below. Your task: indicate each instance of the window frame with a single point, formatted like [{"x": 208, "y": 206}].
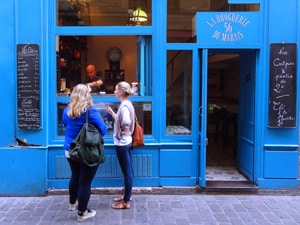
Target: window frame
[{"x": 87, "y": 31}]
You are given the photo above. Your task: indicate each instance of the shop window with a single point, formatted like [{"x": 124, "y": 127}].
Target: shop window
[
  {"x": 143, "y": 111},
  {"x": 103, "y": 13},
  {"x": 179, "y": 92},
  {"x": 116, "y": 58}
]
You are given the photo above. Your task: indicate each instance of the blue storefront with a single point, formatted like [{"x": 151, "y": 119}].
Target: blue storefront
[{"x": 206, "y": 71}]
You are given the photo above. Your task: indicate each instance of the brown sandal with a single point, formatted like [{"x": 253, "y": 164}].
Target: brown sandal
[
  {"x": 121, "y": 205},
  {"x": 120, "y": 198}
]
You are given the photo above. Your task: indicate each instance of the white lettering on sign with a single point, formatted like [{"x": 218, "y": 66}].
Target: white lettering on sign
[
  {"x": 27, "y": 51},
  {"x": 282, "y": 86},
  {"x": 228, "y": 32}
]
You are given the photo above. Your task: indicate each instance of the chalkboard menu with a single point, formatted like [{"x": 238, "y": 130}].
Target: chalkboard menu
[
  {"x": 282, "y": 98},
  {"x": 28, "y": 86}
]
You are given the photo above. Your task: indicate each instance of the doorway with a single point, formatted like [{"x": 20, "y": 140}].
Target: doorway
[{"x": 228, "y": 78}]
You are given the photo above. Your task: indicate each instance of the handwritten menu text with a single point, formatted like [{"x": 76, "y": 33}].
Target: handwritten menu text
[
  {"x": 282, "y": 98},
  {"x": 28, "y": 89}
]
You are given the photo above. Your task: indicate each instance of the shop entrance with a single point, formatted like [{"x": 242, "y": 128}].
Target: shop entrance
[{"x": 230, "y": 117}]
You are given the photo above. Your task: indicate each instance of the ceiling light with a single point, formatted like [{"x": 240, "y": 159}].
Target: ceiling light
[{"x": 138, "y": 16}]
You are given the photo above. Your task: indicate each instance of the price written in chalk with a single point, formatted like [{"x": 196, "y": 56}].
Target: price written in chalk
[
  {"x": 28, "y": 86},
  {"x": 282, "y": 96}
]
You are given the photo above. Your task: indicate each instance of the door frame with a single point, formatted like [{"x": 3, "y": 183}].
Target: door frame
[
  {"x": 202, "y": 112},
  {"x": 203, "y": 82}
]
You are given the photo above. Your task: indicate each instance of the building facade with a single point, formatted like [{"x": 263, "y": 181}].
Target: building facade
[{"x": 209, "y": 75}]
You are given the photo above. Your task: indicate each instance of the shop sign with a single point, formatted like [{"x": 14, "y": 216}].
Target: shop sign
[{"x": 227, "y": 27}]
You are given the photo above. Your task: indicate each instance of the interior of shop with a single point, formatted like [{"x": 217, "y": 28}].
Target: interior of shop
[
  {"x": 223, "y": 85},
  {"x": 74, "y": 53}
]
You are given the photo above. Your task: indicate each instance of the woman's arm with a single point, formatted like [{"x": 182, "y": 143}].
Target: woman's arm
[
  {"x": 110, "y": 111},
  {"x": 126, "y": 121},
  {"x": 96, "y": 119}
]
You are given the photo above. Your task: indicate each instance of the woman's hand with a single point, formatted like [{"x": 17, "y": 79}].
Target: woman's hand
[{"x": 110, "y": 111}]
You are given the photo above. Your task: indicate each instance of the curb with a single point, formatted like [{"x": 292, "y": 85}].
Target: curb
[{"x": 196, "y": 190}]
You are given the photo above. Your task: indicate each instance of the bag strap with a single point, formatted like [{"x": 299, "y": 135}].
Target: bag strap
[{"x": 87, "y": 116}]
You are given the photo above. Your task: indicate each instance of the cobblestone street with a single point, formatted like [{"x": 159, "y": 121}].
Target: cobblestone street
[{"x": 154, "y": 209}]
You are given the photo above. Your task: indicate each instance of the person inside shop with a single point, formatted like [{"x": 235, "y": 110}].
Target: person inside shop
[
  {"x": 82, "y": 175},
  {"x": 95, "y": 82}
]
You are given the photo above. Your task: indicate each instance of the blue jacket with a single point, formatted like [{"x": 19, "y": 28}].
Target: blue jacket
[{"x": 73, "y": 126}]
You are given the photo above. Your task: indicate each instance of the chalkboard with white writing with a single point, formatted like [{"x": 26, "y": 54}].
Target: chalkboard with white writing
[
  {"x": 28, "y": 86},
  {"x": 282, "y": 97}
]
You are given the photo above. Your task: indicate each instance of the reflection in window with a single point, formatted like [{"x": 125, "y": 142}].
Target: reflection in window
[
  {"x": 143, "y": 112},
  {"x": 179, "y": 92},
  {"x": 104, "y": 13}
]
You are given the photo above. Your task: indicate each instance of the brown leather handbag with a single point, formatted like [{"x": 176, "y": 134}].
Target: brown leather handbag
[{"x": 137, "y": 135}]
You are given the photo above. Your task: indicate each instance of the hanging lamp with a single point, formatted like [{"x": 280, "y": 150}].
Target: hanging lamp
[{"x": 138, "y": 16}]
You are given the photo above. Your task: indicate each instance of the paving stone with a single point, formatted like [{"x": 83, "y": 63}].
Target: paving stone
[{"x": 154, "y": 209}]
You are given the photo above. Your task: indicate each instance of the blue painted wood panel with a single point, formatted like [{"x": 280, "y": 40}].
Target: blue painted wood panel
[
  {"x": 281, "y": 164},
  {"x": 23, "y": 171},
  {"x": 283, "y": 21},
  {"x": 109, "y": 174},
  {"x": 175, "y": 163},
  {"x": 246, "y": 117}
]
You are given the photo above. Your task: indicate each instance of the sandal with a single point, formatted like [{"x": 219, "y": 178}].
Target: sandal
[
  {"x": 121, "y": 205},
  {"x": 120, "y": 198}
]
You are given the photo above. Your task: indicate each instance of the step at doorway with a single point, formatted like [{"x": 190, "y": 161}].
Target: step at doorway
[{"x": 231, "y": 186}]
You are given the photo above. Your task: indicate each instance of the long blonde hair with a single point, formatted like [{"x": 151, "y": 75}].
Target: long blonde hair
[{"x": 80, "y": 100}]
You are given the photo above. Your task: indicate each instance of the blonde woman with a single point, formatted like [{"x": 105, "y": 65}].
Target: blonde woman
[
  {"x": 74, "y": 116},
  {"x": 123, "y": 129}
]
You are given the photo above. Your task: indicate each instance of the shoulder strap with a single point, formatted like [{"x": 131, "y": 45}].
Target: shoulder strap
[{"x": 87, "y": 116}]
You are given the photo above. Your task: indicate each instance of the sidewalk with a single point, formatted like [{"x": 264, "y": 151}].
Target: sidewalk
[{"x": 158, "y": 209}]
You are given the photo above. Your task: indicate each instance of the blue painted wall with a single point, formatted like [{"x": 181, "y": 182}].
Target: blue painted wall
[
  {"x": 279, "y": 158},
  {"x": 24, "y": 171},
  {"x": 7, "y": 68}
]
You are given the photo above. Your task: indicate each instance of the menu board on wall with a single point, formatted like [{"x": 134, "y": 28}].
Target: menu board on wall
[
  {"x": 28, "y": 86},
  {"x": 282, "y": 97}
]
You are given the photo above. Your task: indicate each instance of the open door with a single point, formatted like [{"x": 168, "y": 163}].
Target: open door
[
  {"x": 246, "y": 118},
  {"x": 229, "y": 119}
]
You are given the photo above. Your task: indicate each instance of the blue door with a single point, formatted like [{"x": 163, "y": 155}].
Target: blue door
[
  {"x": 226, "y": 115},
  {"x": 246, "y": 115}
]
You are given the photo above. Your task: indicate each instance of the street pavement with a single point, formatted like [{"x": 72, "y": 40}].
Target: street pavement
[{"x": 158, "y": 209}]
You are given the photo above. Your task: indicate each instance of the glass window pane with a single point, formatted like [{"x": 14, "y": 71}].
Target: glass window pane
[
  {"x": 143, "y": 112},
  {"x": 103, "y": 13},
  {"x": 179, "y": 92},
  {"x": 115, "y": 58}
]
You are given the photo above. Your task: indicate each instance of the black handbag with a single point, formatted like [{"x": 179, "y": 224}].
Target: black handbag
[{"x": 88, "y": 146}]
